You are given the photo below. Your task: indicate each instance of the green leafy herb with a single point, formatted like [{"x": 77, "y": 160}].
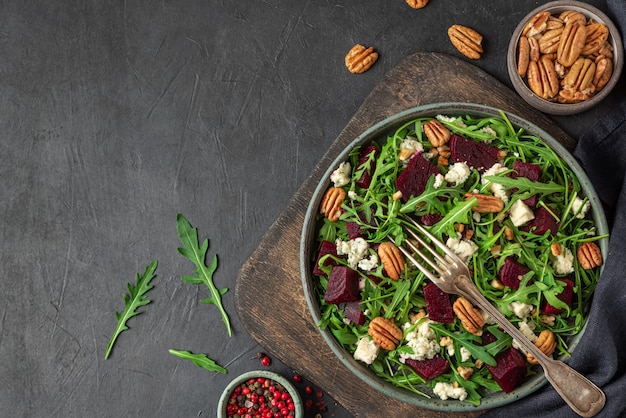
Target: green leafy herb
[
  {"x": 204, "y": 274},
  {"x": 135, "y": 299},
  {"x": 200, "y": 360}
]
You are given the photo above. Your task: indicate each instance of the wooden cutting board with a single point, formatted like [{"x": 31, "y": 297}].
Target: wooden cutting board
[{"x": 284, "y": 326}]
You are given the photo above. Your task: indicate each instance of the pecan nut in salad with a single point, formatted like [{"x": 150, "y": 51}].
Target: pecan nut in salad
[
  {"x": 471, "y": 318},
  {"x": 391, "y": 259},
  {"x": 331, "y": 203},
  {"x": 486, "y": 203},
  {"x": 546, "y": 342},
  {"x": 385, "y": 333},
  {"x": 436, "y": 133},
  {"x": 589, "y": 255},
  {"x": 360, "y": 59}
]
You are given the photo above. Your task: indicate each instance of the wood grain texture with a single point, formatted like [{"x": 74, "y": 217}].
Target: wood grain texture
[{"x": 268, "y": 294}]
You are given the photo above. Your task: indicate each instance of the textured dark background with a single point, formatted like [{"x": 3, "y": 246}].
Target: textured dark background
[{"x": 117, "y": 115}]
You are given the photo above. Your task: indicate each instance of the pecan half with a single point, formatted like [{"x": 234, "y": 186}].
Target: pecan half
[
  {"x": 571, "y": 16},
  {"x": 466, "y": 40},
  {"x": 546, "y": 342},
  {"x": 580, "y": 75},
  {"x": 391, "y": 259},
  {"x": 589, "y": 255},
  {"x": 331, "y": 203},
  {"x": 471, "y": 318},
  {"x": 523, "y": 56},
  {"x": 436, "y": 133},
  {"x": 549, "y": 41},
  {"x": 385, "y": 333},
  {"x": 597, "y": 34},
  {"x": 572, "y": 43},
  {"x": 417, "y": 4},
  {"x": 536, "y": 24},
  {"x": 360, "y": 59},
  {"x": 604, "y": 71},
  {"x": 486, "y": 203},
  {"x": 543, "y": 79}
]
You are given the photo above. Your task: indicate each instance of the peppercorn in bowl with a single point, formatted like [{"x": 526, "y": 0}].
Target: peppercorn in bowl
[
  {"x": 536, "y": 256},
  {"x": 260, "y": 393},
  {"x": 564, "y": 57}
]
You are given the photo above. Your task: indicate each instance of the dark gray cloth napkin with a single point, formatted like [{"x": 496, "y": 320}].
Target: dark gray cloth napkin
[{"x": 601, "y": 352}]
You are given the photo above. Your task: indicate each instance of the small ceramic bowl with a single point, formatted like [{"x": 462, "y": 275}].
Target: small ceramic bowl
[
  {"x": 256, "y": 375},
  {"x": 553, "y": 107}
]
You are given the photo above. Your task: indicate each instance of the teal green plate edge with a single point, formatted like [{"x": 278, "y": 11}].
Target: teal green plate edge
[{"x": 361, "y": 371}]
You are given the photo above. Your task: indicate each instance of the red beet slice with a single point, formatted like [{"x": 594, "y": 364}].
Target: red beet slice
[
  {"x": 431, "y": 219},
  {"x": 531, "y": 172},
  {"x": 566, "y": 296},
  {"x": 511, "y": 273},
  {"x": 343, "y": 286},
  {"x": 478, "y": 155},
  {"x": 327, "y": 247},
  {"x": 364, "y": 162},
  {"x": 510, "y": 369},
  {"x": 487, "y": 338},
  {"x": 412, "y": 181},
  {"x": 542, "y": 223},
  {"x": 438, "y": 304},
  {"x": 353, "y": 312},
  {"x": 354, "y": 230},
  {"x": 429, "y": 368}
]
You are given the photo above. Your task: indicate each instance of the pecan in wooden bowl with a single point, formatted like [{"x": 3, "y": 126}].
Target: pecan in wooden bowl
[{"x": 565, "y": 57}]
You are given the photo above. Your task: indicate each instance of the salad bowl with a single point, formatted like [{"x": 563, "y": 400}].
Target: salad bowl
[{"x": 340, "y": 331}]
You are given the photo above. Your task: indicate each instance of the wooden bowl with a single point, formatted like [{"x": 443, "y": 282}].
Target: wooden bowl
[{"x": 553, "y": 107}]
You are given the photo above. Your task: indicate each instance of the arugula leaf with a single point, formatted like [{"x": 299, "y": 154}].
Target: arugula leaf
[
  {"x": 200, "y": 360},
  {"x": 132, "y": 302},
  {"x": 204, "y": 274}
]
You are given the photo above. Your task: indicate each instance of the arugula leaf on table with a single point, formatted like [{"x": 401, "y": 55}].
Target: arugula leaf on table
[
  {"x": 200, "y": 360},
  {"x": 135, "y": 299},
  {"x": 204, "y": 274}
]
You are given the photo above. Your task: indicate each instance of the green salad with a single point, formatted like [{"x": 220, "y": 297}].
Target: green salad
[{"x": 523, "y": 255}]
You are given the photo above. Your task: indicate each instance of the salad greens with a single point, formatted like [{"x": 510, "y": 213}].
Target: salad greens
[
  {"x": 200, "y": 360},
  {"x": 203, "y": 274},
  {"x": 379, "y": 215},
  {"x": 132, "y": 301}
]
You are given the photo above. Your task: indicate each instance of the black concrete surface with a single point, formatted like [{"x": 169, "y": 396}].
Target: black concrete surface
[{"x": 115, "y": 116}]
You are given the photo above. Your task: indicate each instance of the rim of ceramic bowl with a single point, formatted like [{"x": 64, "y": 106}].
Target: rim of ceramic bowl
[
  {"x": 559, "y": 108},
  {"x": 293, "y": 391},
  {"x": 307, "y": 244}
]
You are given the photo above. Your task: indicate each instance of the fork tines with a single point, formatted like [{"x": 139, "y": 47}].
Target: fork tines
[{"x": 441, "y": 266}]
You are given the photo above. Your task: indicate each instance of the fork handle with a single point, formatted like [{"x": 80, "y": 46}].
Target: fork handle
[{"x": 582, "y": 395}]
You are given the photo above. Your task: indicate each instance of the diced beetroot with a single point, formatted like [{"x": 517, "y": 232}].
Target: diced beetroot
[
  {"x": 369, "y": 164},
  {"x": 478, "y": 155},
  {"x": 511, "y": 273},
  {"x": 531, "y": 172},
  {"x": 487, "y": 338},
  {"x": 510, "y": 369},
  {"x": 354, "y": 230},
  {"x": 438, "y": 304},
  {"x": 353, "y": 312},
  {"x": 343, "y": 286},
  {"x": 327, "y": 247},
  {"x": 542, "y": 223},
  {"x": 566, "y": 296},
  {"x": 431, "y": 218},
  {"x": 430, "y": 368},
  {"x": 412, "y": 181}
]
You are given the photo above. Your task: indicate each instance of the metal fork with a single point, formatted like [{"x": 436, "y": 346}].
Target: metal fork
[{"x": 452, "y": 276}]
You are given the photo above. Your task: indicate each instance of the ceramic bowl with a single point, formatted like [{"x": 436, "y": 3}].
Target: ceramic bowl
[
  {"x": 552, "y": 107},
  {"x": 289, "y": 387},
  {"x": 309, "y": 248}
]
